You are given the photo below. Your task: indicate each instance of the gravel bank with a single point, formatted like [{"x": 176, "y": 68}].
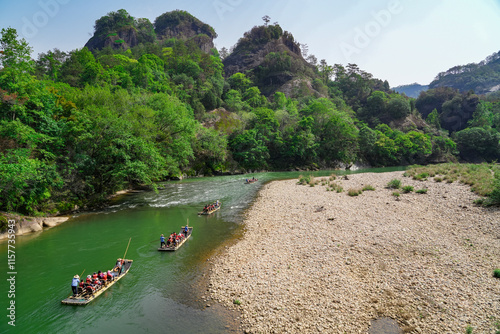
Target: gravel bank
[{"x": 317, "y": 261}]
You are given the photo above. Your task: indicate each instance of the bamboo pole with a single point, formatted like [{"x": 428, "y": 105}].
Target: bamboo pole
[{"x": 127, "y": 248}]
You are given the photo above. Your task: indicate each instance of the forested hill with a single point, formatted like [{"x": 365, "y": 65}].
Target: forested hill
[
  {"x": 144, "y": 102},
  {"x": 119, "y": 30},
  {"x": 482, "y": 78},
  {"x": 273, "y": 60}
]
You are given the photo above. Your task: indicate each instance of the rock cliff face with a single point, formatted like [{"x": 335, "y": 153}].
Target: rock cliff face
[
  {"x": 123, "y": 39},
  {"x": 188, "y": 33},
  {"x": 181, "y": 25},
  {"x": 273, "y": 60},
  {"x": 251, "y": 59}
]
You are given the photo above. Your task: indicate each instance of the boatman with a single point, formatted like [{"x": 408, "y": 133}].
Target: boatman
[
  {"x": 186, "y": 230},
  {"x": 162, "y": 241},
  {"x": 74, "y": 284}
]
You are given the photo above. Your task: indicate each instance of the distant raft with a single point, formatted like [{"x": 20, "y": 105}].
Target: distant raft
[
  {"x": 250, "y": 181},
  {"x": 213, "y": 207},
  {"x": 88, "y": 295},
  {"x": 177, "y": 245}
]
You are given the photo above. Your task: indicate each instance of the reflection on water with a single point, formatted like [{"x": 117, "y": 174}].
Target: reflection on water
[{"x": 162, "y": 292}]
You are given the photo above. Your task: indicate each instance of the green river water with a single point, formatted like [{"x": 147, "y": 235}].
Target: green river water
[{"x": 162, "y": 293}]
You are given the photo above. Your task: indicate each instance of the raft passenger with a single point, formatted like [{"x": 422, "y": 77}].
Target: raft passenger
[{"x": 74, "y": 285}]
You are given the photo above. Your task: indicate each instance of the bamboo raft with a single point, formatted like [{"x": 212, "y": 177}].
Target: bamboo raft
[
  {"x": 205, "y": 213},
  {"x": 176, "y": 247},
  {"x": 250, "y": 181},
  {"x": 85, "y": 297}
]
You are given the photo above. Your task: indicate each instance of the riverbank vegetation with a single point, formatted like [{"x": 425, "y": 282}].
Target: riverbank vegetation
[
  {"x": 484, "y": 179},
  {"x": 78, "y": 126}
]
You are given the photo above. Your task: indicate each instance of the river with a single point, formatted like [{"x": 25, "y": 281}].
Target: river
[{"x": 162, "y": 293}]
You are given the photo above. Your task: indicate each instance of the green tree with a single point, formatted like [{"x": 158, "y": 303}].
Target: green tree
[
  {"x": 253, "y": 97},
  {"x": 398, "y": 107},
  {"x": 476, "y": 144},
  {"x": 26, "y": 184},
  {"x": 433, "y": 119},
  {"x": 249, "y": 150},
  {"x": 239, "y": 82},
  {"x": 15, "y": 52},
  {"x": 210, "y": 150}
]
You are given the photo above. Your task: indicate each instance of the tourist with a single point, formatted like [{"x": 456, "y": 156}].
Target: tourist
[
  {"x": 118, "y": 266},
  {"x": 110, "y": 275},
  {"x": 74, "y": 285}
]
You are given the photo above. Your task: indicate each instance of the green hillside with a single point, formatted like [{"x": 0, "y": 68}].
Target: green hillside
[
  {"x": 80, "y": 125},
  {"x": 482, "y": 78}
]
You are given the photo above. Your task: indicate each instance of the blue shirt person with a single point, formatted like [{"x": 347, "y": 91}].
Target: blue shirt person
[{"x": 74, "y": 284}]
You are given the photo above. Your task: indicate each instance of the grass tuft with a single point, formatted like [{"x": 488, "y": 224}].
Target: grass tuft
[
  {"x": 354, "y": 192},
  {"x": 407, "y": 189},
  {"x": 394, "y": 184},
  {"x": 496, "y": 273}
]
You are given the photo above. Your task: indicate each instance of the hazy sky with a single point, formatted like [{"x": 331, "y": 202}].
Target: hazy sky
[{"x": 402, "y": 41}]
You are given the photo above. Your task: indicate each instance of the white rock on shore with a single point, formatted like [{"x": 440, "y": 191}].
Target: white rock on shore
[
  {"x": 34, "y": 224},
  {"x": 317, "y": 261}
]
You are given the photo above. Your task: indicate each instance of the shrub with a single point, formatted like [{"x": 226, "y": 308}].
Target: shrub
[
  {"x": 368, "y": 187},
  {"x": 407, "y": 189},
  {"x": 396, "y": 194},
  {"x": 119, "y": 41},
  {"x": 496, "y": 273},
  {"x": 237, "y": 302},
  {"x": 494, "y": 196},
  {"x": 421, "y": 191},
  {"x": 394, "y": 184},
  {"x": 438, "y": 179},
  {"x": 421, "y": 176},
  {"x": 354, "y": 192},
  {"x": 313, "y": 182},
  {"x": 334, "y": 186},
  {"x": 469, "y": 329},
  {"x": 333, "y": 177},
  {"x": 479, "y": 201},
  {"x": 304, "y": 179}
]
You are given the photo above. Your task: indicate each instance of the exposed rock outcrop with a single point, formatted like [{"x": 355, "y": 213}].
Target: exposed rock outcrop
[
  {"x": 25, "y": 225},
  {"x": 123, "y": 39},
  {"x": 119, "y": 30},
  {"x": 273, "y": 60}
]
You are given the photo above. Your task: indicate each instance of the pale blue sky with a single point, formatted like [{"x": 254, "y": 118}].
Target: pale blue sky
[{"x": 402, "y": 41}]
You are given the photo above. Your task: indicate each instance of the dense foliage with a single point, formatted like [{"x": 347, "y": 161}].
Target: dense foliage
[{"x": 77, "y": 126}]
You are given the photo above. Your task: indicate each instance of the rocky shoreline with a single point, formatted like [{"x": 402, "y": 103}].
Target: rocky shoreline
[
  {"x": 25, "y": 225},
  {"x": 317, "y": 261}
]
